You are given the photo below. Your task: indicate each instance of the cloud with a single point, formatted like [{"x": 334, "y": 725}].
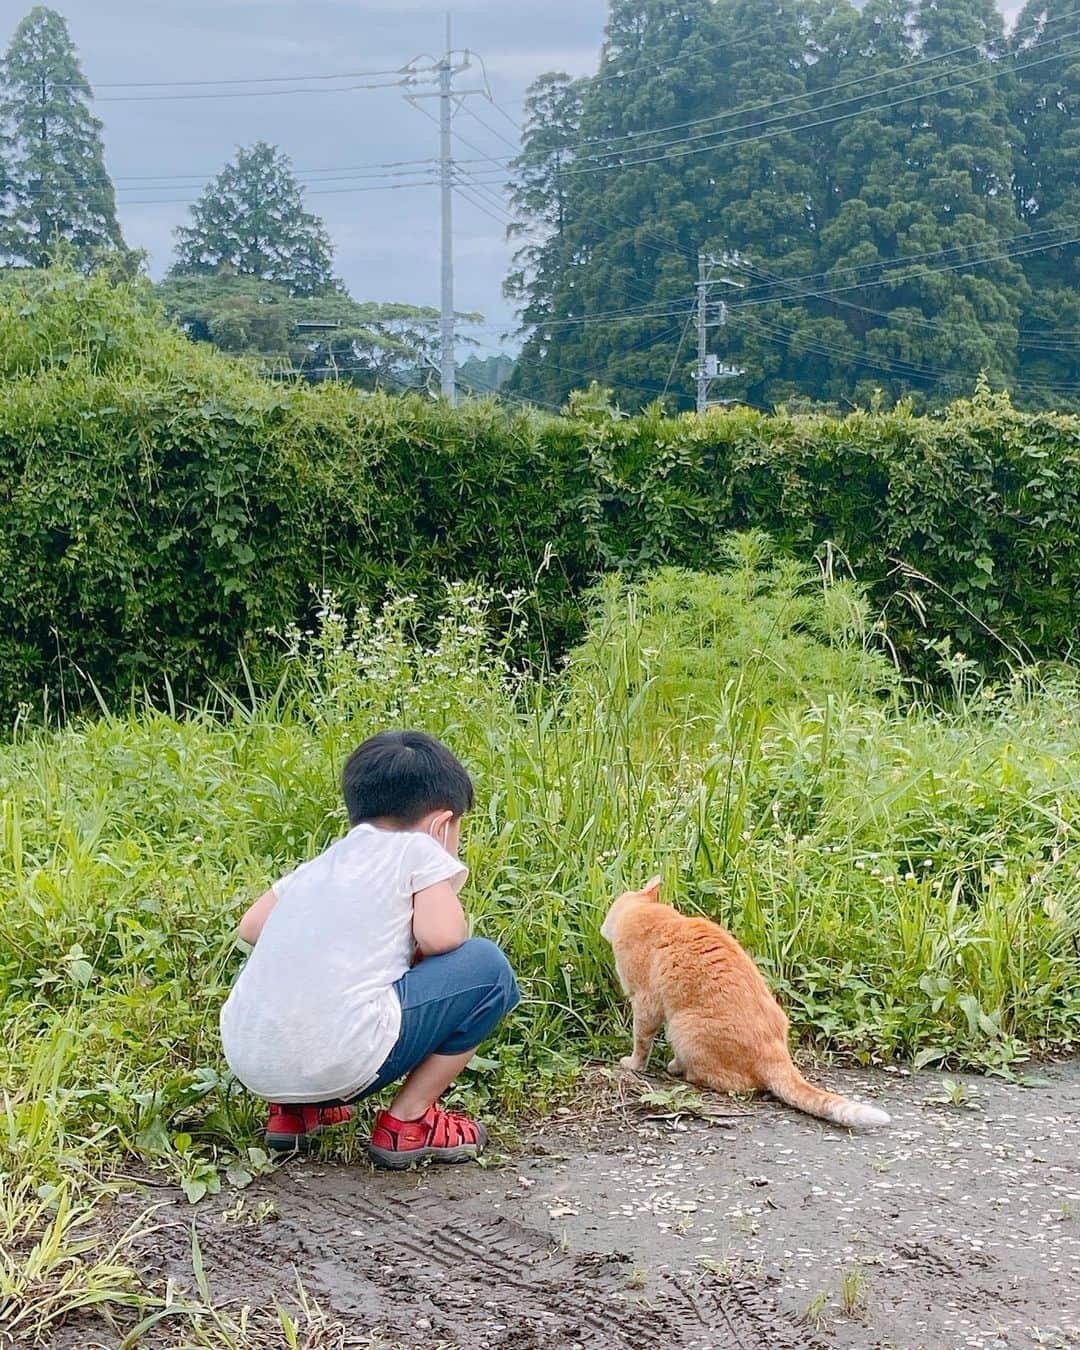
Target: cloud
[
  {"x": 151, "y": 228},
  {"x": 525, "y": 63},
  {"x": 437, "y": 8}
]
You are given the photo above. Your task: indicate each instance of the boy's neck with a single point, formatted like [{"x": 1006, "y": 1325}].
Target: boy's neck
[{"x": 440, "y": 825}]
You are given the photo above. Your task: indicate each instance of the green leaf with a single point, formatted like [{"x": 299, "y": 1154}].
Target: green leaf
[
  {"x": 82, "y": 972},
  {"x": 194, "y": 1188}
]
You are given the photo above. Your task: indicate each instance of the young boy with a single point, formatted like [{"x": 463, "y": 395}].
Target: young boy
[{"x": 363, "y": 971}]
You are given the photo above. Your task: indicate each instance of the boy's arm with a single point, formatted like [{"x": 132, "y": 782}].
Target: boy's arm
[
  {"x": 439, "y": 923},
  {"x": 251, "y": 925}
]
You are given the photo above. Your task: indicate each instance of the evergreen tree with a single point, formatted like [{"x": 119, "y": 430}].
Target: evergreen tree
[
  {"x": 915, "y": 165},
  {"x": 1046, "y": 111},
  {"x": 540, "y": 190},
  {"x": 251, "y": 221},
  {"x": 485, "y": 374},
  {"x": 862, "y": 163},
  {"x": 58, "y": 194},
  {"x": 656, "y": 175}
]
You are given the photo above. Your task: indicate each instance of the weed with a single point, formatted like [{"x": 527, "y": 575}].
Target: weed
[
  {"x": 723, "y": 1268},
  {"x": 673, "y": 1103},
  {"x": 854, "y": 1291},
  {"x": 816, "y": 1310},
  {"x": 957, "y": 1095},
  {"x": 249, "y": 1215}
]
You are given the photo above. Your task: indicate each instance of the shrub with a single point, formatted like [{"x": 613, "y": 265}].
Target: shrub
[
  {"x": 166, "y": 515},
  {"x": 764, "y": 629}
]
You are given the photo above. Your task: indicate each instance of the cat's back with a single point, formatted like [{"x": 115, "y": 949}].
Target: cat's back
[
  {"x": 698, "y": 939},
  {"x": 690, "y": 938},
  {"x": 695, "y": 958}
]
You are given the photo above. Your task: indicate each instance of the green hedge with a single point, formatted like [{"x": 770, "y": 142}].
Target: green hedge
[{"x": 164, "y": 510}]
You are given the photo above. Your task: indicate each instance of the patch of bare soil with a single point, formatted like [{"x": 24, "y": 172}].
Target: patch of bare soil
[{"x": 957, "y": 1226}]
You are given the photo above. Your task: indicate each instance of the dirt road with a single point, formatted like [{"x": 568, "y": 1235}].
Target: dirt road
[{"x": 958, "y": 1226}]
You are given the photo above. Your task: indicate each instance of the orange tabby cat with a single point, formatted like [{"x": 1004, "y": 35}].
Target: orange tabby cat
[{"x": 725, "y": 1029}]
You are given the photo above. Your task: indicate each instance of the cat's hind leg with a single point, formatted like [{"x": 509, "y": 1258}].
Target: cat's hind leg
[{"x": 708, "y": 1057}]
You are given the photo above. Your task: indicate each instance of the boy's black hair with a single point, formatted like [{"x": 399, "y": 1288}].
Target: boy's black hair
[{"x": 401, "y": 776}]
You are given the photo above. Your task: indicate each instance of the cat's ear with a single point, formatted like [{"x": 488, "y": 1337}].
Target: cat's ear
[{"x": 651, "y": 889}]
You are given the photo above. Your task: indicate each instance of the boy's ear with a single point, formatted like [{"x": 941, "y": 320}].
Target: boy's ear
[{"x": 651, "y": 889}]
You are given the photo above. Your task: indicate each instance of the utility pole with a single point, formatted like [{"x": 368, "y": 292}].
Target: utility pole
[
  {"x": 447, "y": 369},
  {"x": 702, "y": 329},
  {"x": 445, "y": 70},
  {"x": 709, "y": 367}
]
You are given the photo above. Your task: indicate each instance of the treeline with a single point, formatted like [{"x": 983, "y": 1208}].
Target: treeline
[
  {"x": 901, "y": 182},
  {"x": 165, "y": 514}
]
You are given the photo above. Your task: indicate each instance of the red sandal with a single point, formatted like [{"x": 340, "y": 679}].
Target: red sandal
[
  {"x": 442, "y": 1136},
  {"x": 294, "y": 1128}
]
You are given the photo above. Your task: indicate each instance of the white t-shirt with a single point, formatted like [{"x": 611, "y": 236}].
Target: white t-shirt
[{"x": 313, "y": 1013}]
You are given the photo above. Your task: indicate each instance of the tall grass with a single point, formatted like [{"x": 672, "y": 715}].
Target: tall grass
[{"x": 906, "y": 876}]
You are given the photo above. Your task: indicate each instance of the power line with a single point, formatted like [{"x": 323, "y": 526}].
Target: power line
[
  {"x": 635, "y": 70},
  {"x": 477, "y": 181},
  {"x": 897, "y": 367},
  {"x": 678, "y": 352},
  {"x": 411, "y": 177},
  {"x": 584, "y": 165},
  {"x": 675, "y": 246},
  {"x": 413, "y": 73},
  {"x": 491, "y": 160},
  {"x": 207, "y": 175},
  {"x": 503, "y": 113},
  {"x": 1004, "y": 256},
  {"x": 815, "y": 93},
  {"x": 656, "y": 309},
  {"x": 643, "y": 343},
  {"x": 464, "y": 193},
  {"x": 881, "y": 262},
  {"x": 489, "y": 194},
  {"x": 787, "y": 337},
  {"x": 471, "y": 112},
  {"x": 259, "y": 79},
  {"x": 474, "y": 190},
  {"x": 247, "y": 93},
  {"x": 660, "y": 309},
  {"x": 672, "y": 245},
  {"x": 651, "y": 312},
  {"x": 326, "y": 192},
  {"x": 921, "y": 321}
]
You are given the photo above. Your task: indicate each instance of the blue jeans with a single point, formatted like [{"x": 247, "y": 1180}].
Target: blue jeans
[{"x": 449, "y": 1004}]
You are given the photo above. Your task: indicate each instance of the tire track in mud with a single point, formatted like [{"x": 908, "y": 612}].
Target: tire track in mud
[
  {"x": 488, "y": 1278},
  {"x": 735, "y": 1311},
  {"x": 421, "y": 1270}
]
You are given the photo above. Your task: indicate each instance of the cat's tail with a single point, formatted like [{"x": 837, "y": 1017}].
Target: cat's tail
[{"x": 788, "y": 1084}]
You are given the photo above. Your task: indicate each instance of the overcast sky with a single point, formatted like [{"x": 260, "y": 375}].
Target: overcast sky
[{"x": 386, "y": 241}]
